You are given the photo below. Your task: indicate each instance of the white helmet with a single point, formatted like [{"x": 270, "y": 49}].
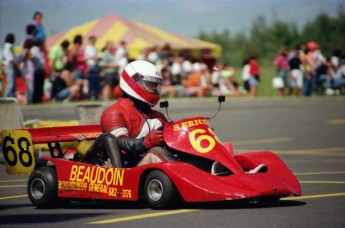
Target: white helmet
[{"x": 142, "y": 80}]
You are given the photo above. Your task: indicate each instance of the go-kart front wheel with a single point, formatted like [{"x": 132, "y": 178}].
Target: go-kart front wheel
[
  {"x": 160, "y": 191},
  {"x": 42, "y": 188}
]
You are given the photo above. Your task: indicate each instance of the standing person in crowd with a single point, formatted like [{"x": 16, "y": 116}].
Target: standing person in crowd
[
  {"x": 317, "y": 54},
  {"x": 121, "y": 57},
  {"x": 281, "y": 63},
  {"x": 296, "y": 74},
  {"x": 39, "y": 74},
  {"x": 254, "y": 71},
  {"x": 121, "y": 50},
  {"x": 122, "y": 62},
  {"x": 153, "y": 55},
  {"x": 77, "y": 57},
  {"x": 27, "y": 69},
  {"x": 58, "y": 58},
  {"x": 309, "y": 67},
  {"x": 92, "y": 58},
  {"x": 41, "y": 36},
  {"x": 30, "y": 33},
  {"x": 312, "y": 60},
  {"x": 40, "y": 33},
  {"x": 57, "y": 61},
  {"x": 11, "y": 65},
  {"x": 245, "y": 74},
  {"x": 301, "y": 49},
  {"x": 109, "y": 68}
]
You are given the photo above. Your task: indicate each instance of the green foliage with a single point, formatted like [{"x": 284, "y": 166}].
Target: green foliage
[{"x": 266, "y": 40}]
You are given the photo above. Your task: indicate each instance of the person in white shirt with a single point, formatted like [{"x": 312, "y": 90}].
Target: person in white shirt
[
  {"x": 122, "y": 62},
  {"x": 39, "y": 75},
  {"x": 245, "y": 74},
  {"x": 153, "y": 55},
  {"x": 92, "y": 57},
  {"x": 339, "y": 76},
  {"x": 121, "y": 51},
  {"x": 11, "y": 66}
]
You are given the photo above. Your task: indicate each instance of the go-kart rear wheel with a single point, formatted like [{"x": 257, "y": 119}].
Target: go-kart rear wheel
[
  {"x": 160, "y": 191},
  {"x": 42, "y": 188}
]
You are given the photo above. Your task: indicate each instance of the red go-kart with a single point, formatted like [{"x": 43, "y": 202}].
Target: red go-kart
[{"x": 205, "y": 170}]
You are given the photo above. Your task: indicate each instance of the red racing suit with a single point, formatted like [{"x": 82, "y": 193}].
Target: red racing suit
[{"x": 130, "y": 121}]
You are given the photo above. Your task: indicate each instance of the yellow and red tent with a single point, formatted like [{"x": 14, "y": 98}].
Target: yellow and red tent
[{"x": 138, "y": 36}]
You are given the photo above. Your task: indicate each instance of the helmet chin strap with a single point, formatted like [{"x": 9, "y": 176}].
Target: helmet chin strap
[
  {"x": 143, "y": 106},
  {"x": 151, "y": 98}
]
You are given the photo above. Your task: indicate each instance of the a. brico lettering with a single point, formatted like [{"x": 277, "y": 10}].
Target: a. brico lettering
[{"x": 188, "y": 124}]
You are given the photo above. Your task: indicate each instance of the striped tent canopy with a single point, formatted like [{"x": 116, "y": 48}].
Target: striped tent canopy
[{"x": 138, "y": 36}]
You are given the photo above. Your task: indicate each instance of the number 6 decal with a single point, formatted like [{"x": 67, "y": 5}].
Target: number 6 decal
[
  {"x": 197, "y": 140},
  {"x": 10, "y": 154}
]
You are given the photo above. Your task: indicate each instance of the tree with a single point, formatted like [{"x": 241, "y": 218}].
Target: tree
[{"x": 266, "y": 40}]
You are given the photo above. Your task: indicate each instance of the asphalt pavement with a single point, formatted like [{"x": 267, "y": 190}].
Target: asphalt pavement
[{"x": 307, "y": 133}]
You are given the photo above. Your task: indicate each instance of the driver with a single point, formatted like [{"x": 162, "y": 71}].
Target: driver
[
  {"x": 136, "y": 127},
  {"x": 131, "y": 126}
]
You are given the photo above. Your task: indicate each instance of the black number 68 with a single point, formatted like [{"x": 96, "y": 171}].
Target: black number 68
[{"x": 7, "y": 149}]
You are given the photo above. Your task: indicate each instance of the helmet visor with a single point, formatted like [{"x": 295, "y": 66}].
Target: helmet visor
[{"x": 150, "y": 84}]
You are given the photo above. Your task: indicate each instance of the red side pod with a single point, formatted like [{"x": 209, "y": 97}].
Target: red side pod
[
  {"x": 196, "y": 185},
  {"x": 80, "y": 180},
  {"x": 275, "y": 166}
]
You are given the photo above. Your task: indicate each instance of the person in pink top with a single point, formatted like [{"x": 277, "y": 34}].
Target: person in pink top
[
  {"x": 281, "y": 63},
  {"x": 77, "y": 57}
]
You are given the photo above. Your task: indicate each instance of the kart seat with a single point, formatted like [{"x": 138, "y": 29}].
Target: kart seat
[{"x": 83, "y": 147}]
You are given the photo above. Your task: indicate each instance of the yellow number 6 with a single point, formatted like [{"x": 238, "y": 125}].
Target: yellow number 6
[{"x": 196, "y": 141}]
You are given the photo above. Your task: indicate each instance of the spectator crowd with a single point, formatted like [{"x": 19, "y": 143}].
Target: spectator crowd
[
  {"x": 305, "y": 70},
  {"x": 76, "y": 69}
]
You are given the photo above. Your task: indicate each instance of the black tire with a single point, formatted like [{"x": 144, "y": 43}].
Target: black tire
[
  {"x": 160, "y": 191},
  {"x": 43, "y": 189}
]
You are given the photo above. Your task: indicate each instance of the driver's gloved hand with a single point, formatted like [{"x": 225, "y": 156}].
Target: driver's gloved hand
[{"x": 154, "y": 138}]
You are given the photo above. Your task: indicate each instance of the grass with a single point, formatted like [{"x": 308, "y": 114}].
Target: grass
[{"x": 265, "y": 86}]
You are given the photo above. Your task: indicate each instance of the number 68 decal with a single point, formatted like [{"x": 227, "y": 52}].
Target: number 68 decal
[
  {"x": 196, "y": 140},
  {"x": 18, "y": 152}
]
